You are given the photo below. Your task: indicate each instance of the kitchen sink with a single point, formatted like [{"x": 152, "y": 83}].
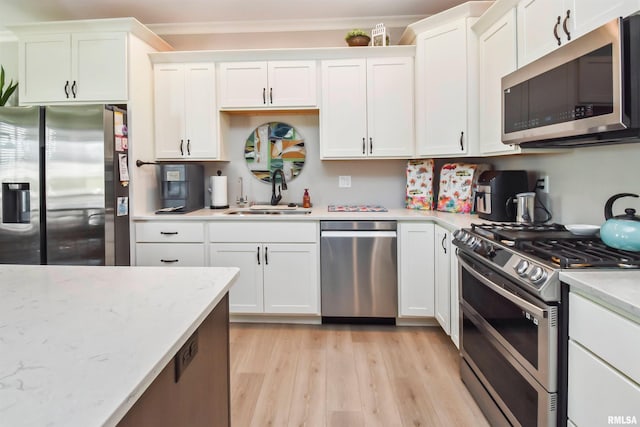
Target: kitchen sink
[{"x": 242, "y": 212}]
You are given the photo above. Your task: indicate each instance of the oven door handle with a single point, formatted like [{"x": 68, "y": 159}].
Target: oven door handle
[{"x": 526, "y": 305}]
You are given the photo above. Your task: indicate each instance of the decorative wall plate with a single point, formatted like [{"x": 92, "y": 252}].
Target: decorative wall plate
[{"x": 272, "y": 146}]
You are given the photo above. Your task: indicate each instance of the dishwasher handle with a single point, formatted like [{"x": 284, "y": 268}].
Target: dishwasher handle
[{"x": 358, "y": 233}]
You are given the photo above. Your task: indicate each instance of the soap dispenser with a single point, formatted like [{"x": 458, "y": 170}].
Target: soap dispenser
[{"x": 306, "y": 199}]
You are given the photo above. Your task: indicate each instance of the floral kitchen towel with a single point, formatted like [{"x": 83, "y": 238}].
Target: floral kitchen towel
[
  {"x": 457, "y": 184},
  {"x": 420, "y": 184}
]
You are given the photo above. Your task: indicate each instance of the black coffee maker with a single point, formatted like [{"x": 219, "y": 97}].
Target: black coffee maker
[
  {"x": 181, "y": 188},
  {"x": 495, "y": 189}
]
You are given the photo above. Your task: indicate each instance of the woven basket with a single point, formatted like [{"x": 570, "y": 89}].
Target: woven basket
[{"x": 359, "y": 41}]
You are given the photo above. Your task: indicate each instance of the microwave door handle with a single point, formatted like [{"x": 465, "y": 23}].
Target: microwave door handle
[{"x": 525, "y": 305}]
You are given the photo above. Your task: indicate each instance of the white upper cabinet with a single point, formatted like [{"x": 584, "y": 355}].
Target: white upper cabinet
[
  {"x": 268, "y": 84},
  {"x": 185, "y": 112},
  {"x": 543, "y": 25},
  {"x": 497, "y": 56},
  {"x": 73, "y": 67},
  {"x": 444, "y": 90},
  {"x": 367, "y": 108}
]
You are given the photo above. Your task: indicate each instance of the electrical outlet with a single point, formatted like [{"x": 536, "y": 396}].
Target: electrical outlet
[
  {"x": 543, "y": 184},
  {"x": 344, "y": 181}
]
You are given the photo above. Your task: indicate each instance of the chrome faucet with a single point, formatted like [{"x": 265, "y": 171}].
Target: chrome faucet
[{"x": 275, "y": 199}]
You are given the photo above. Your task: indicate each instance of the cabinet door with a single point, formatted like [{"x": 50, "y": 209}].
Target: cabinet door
[
  {"x": 390, "y": 107},
  {"x": 45, "y": 68},
  {"x": 291, "y": 282},
  {"x": 592, "y": 380},
  {"x": 590, "y": 14},
  {"x": 442, "y": 92},
  {"x": 170, "y": 254},
  {"x": 442, "y": 277},
  {"x": 243, "y": 84},
  {"x": 99, "y": 66},
  {"x": 416, "y": 285},
  {"x": 246, "y": 294},
  {"x": 292, "y": 83},
  {"x": 539, "y": 28},
  {"x": 497, "y": 57},
  {"x": 343, "y": 113},
  {"x": 169, "y": 118},
  {"x": 200, "y": 112}
]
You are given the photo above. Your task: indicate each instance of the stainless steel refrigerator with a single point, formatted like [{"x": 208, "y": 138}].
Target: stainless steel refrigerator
[{"x": 64, "y": 199}]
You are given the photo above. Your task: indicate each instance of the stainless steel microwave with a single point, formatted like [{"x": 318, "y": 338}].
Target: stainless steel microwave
[{"x": 585, "y": 92}]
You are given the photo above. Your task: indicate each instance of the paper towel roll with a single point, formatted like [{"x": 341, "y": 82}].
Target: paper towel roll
[{"x": 218, "y": 188}]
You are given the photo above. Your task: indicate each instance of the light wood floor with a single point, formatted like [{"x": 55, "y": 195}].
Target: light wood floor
[{"x": 339, "y": 375}]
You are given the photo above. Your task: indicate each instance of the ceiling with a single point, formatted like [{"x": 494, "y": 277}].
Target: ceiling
[{"x": 171, "y": 16}]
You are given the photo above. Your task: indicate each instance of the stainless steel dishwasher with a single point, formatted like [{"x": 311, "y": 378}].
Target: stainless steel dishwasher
[{"x": 358, "y": 274}]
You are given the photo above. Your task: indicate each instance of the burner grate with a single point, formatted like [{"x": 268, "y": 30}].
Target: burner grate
[{"x": 580, "y": 253}]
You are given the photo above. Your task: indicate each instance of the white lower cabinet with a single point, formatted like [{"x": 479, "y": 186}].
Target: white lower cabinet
[
  {"x": 278, "y": 269},
  {"x": 442, "y": 275},
  {"x": 170, "y": 243},
  {"x": 274, "y": 277},
  {"x": 415, "y": 255},
  {"x": 603, "y": 367},
  {"x": 454, "y": 313}
]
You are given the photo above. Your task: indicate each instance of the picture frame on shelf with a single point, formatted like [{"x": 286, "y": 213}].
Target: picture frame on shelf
[{"x": 379, "y": 35}]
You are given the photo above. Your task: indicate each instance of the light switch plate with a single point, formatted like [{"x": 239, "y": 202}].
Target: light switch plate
[{"x": 344, "y": 181}]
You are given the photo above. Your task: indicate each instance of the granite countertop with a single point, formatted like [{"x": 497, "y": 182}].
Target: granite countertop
[
  {"x": 619, "y": 289},
  {"x": 79, "y": 345},
  {"x": 452, "y": 221}
]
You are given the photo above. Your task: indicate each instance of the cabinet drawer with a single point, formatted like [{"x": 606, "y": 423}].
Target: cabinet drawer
[
  {"x": 168, "y": 231},
  {"x": 597, "y": 391},
  {"x": 171, "y": 255},
  {"x": 610, "y": 336},
  {"x": 263, "y": 231}
]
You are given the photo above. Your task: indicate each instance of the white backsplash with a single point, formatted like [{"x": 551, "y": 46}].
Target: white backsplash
[{"x": 372, "y": 181}]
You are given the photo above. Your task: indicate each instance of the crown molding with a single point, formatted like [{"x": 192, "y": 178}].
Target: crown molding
[
  {"x": 288, "y": 25},
  {"x": 7, "y": 36}
]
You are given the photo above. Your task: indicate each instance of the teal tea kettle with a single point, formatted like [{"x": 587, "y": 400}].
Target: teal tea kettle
[{"x": 621, "y": 231}]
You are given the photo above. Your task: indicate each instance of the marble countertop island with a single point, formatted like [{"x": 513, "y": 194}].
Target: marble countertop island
[{"x": 79, "y": 345}]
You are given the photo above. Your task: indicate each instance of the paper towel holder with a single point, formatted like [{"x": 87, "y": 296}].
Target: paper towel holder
[{"x": 218, "y": 184}]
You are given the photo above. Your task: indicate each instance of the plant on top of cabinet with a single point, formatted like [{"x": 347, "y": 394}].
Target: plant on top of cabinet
[
  {"x": 6, "y": 93},
  {"x": 357, "y": 37}
]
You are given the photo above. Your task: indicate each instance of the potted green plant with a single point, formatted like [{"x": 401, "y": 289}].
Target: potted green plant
[
  {"x": 357, "y": 37},
  {"x": 5, "y": 94}
]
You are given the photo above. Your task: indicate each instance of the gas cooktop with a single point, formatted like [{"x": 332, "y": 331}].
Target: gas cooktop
[{"x": 553, "y": 243}]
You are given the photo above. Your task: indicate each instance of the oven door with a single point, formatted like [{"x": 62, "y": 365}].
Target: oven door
[
  {"x": 506, "y": 342},
  {"x": 526, "y": 327}
]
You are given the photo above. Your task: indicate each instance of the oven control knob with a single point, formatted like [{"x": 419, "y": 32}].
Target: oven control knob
[
  {"x": 486, "y": 249},
  {"x": 521, "y": 267},
  {"x": 473, "y": 242},
  {"x": 537, "y": 275},
  {"x": 458, "y": 234}
]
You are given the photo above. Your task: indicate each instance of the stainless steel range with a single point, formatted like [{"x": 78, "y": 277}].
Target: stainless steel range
[{"x": 514, "y": 316}]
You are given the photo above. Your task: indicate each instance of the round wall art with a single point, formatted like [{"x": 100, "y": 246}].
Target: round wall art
[{"x": 272, "y": 146}]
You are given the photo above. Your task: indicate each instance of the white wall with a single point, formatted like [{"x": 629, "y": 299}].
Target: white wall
[
  {"x": 582, "y": 179},
  {"x": 301, "y": 39},
  {"x": 372, "y": 181}
]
